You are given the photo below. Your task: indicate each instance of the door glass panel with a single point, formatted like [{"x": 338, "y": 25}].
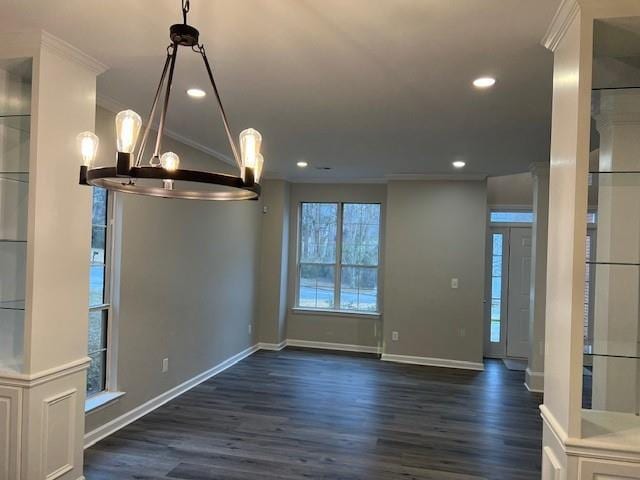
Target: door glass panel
[{"x": 496, "y": 287}]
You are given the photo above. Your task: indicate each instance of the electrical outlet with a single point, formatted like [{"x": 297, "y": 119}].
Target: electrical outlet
[
  {"x": 265, "y": 209},
  {"x": 165, "y": 365},
  {"x": 454, "y": 283},
  {"x": 250, "y": 329},
  {"x": 394, "y": 336}
]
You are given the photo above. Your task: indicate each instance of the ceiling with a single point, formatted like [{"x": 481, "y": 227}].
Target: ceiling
[{"x": 367, "y": 88}]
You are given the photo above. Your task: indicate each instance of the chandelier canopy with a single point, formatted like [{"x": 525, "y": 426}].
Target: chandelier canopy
[{"x": 149, "y": 170}]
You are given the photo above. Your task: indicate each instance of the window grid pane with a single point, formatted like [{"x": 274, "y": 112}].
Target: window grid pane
[
  {"x": 98, "y": 319},
  {"x": 352, "y": 283},
  {"x": 496, "y": 287}
]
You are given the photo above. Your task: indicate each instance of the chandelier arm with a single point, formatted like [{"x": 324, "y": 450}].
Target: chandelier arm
[
  {"x": 165, "y": 104},
  {"x": 147, "y": 129},
  {"x": 221, "y": 108}
]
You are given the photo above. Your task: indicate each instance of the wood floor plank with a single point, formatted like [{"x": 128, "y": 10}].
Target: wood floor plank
[{"x": 308, "y": 414}]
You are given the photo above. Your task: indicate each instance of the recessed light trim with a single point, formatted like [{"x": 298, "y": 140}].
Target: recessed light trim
[
  {"x": 458, "y": 164},
  {"x": 484, "y": 82},
  {"x": 302, "y": 164},
  {"x": 196, "y": 93}
]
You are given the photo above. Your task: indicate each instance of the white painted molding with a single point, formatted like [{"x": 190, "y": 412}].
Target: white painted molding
[
  {"x": 551, "y": 468},
  {"x": 343, "y": 347},
  {"x": 566, "y": 13},
  {"x": 122, "y": 421},
  {"x": 339, "y": 180},
  {"x": 68, "y": 51},
  {"x": 445, "y": 177},
  {"x": 553, "y": 424},
  {"x": 534, "y": 381},
  {"x": 276, "y": 347},
  {"x": 44, "y": 376},
  {"x": 433, "y": 362},
  {"x": 115, "y": 106}
]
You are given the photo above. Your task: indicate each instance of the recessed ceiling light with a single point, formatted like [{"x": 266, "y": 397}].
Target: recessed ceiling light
[
  {"x": 458, "y": 164},
  {"x": 484, "y": 82},
  {"x": 196, "y": 93},
  {"x": 302, "y": 164}
]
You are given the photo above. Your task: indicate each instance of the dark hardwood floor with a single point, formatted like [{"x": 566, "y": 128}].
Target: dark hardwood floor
[{"x": 300, "y": 414}]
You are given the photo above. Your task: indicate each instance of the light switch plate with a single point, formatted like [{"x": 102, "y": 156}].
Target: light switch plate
[{"x": 454, "y": 283}]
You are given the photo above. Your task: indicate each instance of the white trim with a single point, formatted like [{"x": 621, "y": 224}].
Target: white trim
[
  {"x": 44, "y": 376},
  {"x": 343, "y": 347},
  {"x": 553, "y": 424},
  {"x": 433, "y": 362},
  {"x": 448, "y": 177},
  {"x": 562, "y": 20},
  {"x": 534, "y": 381},
  {"x": 115, "y": 106},
  {"x": 334, "y": 312},
  {"x": 131, "y": 416},
  {"x": 100, "y": 400},
  {"x": 276, "y": 347},
  {"x": 68, "y": 51}
]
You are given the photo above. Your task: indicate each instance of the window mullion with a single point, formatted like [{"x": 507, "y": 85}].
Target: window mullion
[{"x": 338, "y": 266}]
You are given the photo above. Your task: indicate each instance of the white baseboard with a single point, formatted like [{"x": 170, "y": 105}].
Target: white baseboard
[
  {"x": 131, "y": 416},
  {"x": 344, "y": 347},
  {"x": 272, "y": 346},
  {"x": 534, "y": 381},
  {"x": 433, "y": 362}
]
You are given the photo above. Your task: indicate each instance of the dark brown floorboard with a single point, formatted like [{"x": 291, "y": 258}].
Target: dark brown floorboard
[{"x": 300, "y": 414}]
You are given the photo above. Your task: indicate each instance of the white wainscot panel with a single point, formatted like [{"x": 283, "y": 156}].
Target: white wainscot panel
[
  {"x": 58, "y": 434},
  {"x": 608, "y": 470},
  {"x": 551, "y": 468},
  {"x": 10, "y": 420}
]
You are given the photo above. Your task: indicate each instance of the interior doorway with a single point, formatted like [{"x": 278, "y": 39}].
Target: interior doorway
[{"x": 509, "y": 285}]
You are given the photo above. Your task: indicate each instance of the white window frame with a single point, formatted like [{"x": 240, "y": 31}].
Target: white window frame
[
  {"x": 111, "y": 286},
  {"x": 338, "y": 265}
]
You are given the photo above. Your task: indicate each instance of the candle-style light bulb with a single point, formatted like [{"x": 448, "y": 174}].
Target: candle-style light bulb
[
  {"x": 128, "y": 125},
  {"x": 88, "y": 145}
]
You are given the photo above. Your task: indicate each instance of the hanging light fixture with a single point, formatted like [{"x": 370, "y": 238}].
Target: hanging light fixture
[{"x": 158, "y": 174}]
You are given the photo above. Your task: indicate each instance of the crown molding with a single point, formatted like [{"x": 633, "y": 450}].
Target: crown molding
[
  {"x": 115, "y": 106},
  {"x": 340, "y": 180},
  {"x": 68, "y": 51},
  {"x": 444, "y": 177},
  {"x": 562, "y": 20},
  {"x": 539, "y": 168}
]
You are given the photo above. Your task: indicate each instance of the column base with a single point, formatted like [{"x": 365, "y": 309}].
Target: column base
[
  {"x": 44, "y": 417},
  {"x": 534, "y": 381},
  {"x": 614, "y": 455}
]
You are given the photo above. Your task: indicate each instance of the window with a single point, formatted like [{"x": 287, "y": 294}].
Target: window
[
  {"x": 496, "y": 286},
  {"x": 511, "y": 217},
  {"x": 99, "y": 298},
  {"x": 339, "y": 254}
]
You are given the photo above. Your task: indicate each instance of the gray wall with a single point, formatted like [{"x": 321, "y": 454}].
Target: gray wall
[
  {"x": 435, "y": 232},
  {"x": 274, "y": 259},
  {"x": 346, "y": 329},
  {"x": 511, "y": 190},
  {"x": 188, "y": 278}
]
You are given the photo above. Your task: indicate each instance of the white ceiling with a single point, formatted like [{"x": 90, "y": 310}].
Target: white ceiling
[{"x": 368, "y": 87}]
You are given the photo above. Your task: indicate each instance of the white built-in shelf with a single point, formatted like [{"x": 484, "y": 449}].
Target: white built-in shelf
[
  {"x": 610, "y": 431},
  {"x": 20, "y": 122}
]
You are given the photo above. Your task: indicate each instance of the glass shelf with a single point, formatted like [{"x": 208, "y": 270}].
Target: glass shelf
[
  {"x": 21, "y": 177},
  {"x": 16, "y": 122},
  {"x": 11, "y": 304}
]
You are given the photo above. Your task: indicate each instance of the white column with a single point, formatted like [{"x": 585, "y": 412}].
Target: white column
[
  {"x": 534, "y": 375},
  {"x": 45, "y": 397},
  {"x": 616, "y": 302}
]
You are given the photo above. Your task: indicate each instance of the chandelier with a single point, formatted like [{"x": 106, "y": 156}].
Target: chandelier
[{"x": 150, "y": 171}]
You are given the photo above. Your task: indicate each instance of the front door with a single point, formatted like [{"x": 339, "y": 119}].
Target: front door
[
  {"x": 509, "y": 292},
  {"x": 519, "y": 286}
]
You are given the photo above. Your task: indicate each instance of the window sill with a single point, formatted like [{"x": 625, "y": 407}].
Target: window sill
[
  {"x": 101, "y": 400},
  {"x": 334, "y": 313}
]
